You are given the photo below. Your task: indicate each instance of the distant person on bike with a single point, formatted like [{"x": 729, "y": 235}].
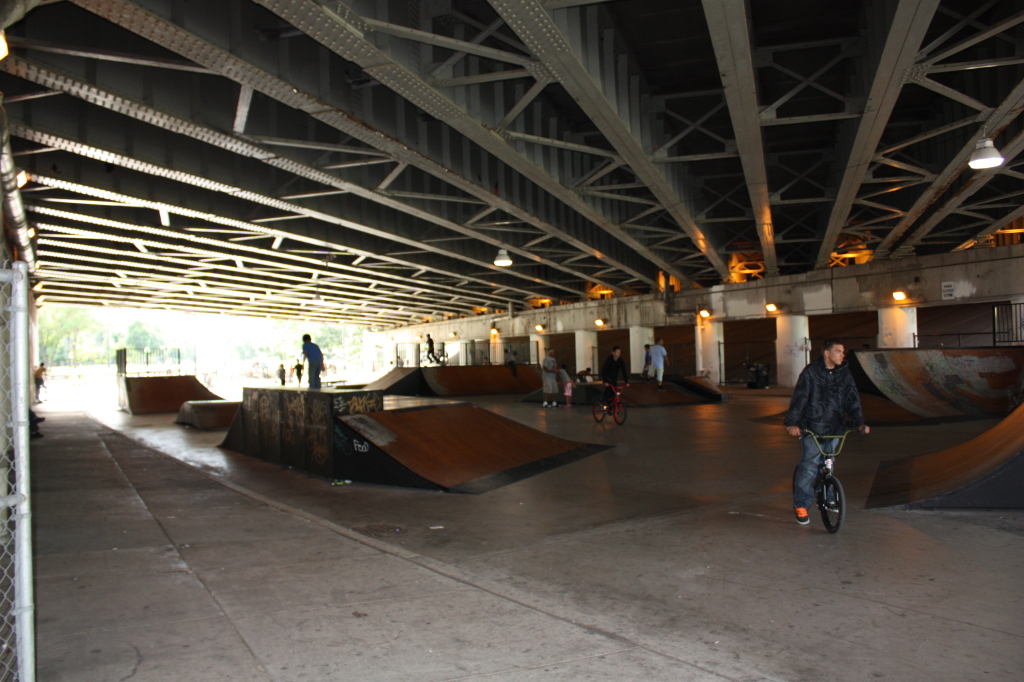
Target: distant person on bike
[
  {"x": 659, "y": 359},
  {"x": 430, "y": 349},
  {"x": 311, "y": 352},
  {"x": 824, "y": 396},
  {"x": 610, "y": 373}
]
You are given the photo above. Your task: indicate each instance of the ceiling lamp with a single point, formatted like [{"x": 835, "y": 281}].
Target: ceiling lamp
[
  {"x": 600, "y": 322},
  {"x": 985, "y": 155},
  {"x": 502, "y": 260},
  {"x": 705, "y": 313},
  {"x": 4, "y": 51},
  {"x": 539, "y": 327},
  {"x": 494, "y": 331},
  {"x": 21, "y": 179},
  {"x": 899, "y": 295},
  {"x": 451, "y": 335},
  {"x": 771, "y": 307}
]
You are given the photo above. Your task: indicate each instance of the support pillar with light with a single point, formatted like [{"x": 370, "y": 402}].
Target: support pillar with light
[
  {"x": 897, "y": 326},
  {"x": 708, "y": 336},
  {"x": 791, "y": 334}
]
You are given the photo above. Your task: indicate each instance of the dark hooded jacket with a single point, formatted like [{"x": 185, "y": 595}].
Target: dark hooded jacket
[{"x": 823, "y": 398}]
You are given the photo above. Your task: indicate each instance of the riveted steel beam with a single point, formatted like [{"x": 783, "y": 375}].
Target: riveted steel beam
[
  {"x": 906, "y": 33},
  {"x": 536, "y": 28},
  {"x": 342, "y": 30},
  {"x": 729, "y": 23},
  {"x": 221, "y": 61}
]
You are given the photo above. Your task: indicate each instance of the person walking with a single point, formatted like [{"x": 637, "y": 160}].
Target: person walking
[
  {"x": 312, "y": 354},
  {"x": 659, "y": 359},
  {"x": 824, "y": 396},
  {"x": 40, "y": 381},
  {"x": 550, "y": 367}
]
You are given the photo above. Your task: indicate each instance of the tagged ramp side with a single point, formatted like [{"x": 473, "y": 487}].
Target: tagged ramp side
[
  {"x": 460, "y": 448},
  {"x": 986, "y": 471}
]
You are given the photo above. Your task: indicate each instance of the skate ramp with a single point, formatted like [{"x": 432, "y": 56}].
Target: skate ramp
[
  {"x": 207, "y": 414},
  {"x": 985, "y": 472},
  {"x": 147, "y": 395},
  {"x": 648, "y": 395},
  {"x": 947, "y": 382},
  {"x": 702, "y": 387},
  {"x": 458, "y": 448},
  {"x": 399, "y": 381},
  {"x": 481, "y": 379}
]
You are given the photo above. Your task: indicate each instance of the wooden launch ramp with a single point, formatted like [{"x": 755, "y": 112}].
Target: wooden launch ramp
[
  {"x": 985, "y": 472},
  {"x": 458, "y": 448},
  {"x": 147, "y": 395}
]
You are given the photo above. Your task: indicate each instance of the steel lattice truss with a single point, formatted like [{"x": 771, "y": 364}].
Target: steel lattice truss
[{"x": 364, "y": 161}]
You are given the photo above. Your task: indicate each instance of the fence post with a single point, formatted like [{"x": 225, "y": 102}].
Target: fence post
[{"x": 24, "y": 607}]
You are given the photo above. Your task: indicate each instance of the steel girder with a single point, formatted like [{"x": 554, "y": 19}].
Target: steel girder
[
  {"x": 613, "y": 106},
  {"x": 729, "y": 23},
  {"x": 346, "y": 33},
  {"x": 906, "y": 32},
  {"x": 69, "y": 84},
  {"x": 222, "y": 62}
]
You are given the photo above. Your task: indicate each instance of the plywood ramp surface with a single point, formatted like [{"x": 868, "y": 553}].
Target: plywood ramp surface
[
  {"x": 454, "y": 445},
  {"x": 917, "y": 479},
  {"x": 481, "y": 379}
]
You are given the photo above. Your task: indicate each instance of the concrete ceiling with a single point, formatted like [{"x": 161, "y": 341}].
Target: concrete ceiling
[{"x": 364, "y": 161}]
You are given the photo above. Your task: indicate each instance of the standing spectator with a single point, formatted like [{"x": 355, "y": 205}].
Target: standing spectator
[
  {"x": 566, "y": 382},
  {"x": 312, "y": 354},
  {"x": 550, "y": 367},
  {"x": 40, "y": 378},
  {"x": 659, "y": 359},
  {"x": 298, "y": 372},
  {"x": 646, "y": 374},
  {"x": 824, "y": 396},
  {"x": 281, "y": 373},
  {"x": 510, "y": 361}
]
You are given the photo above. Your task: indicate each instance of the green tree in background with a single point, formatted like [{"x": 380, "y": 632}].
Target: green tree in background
[
  {"x": 142, "y": 335},
  {"x": 61, "y": 331}
]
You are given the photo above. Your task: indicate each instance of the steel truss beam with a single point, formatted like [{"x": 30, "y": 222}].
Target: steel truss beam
[
  {"x": 69, "y": 84},
  {"x": 360, "y": 274},
  {"x": 536, "y": 28},
  {"x": 217, "y": 60},
  {"x": 905, "y": 35},
  {"x": 729, "y": 24},
  {"x": 344, "y": 32}
]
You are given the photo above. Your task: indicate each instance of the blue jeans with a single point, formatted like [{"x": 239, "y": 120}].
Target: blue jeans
[
  {"x": 314, "y": 373},
  {"x": 807, "y": 470}
]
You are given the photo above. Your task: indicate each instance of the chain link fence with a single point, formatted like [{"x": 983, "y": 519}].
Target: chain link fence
[{"x": 17, "y": 642}]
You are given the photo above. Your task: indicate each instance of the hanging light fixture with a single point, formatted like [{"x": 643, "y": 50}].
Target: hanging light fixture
[
  {"x": 985, "y": 155},
  {"x": 503, "y": 260}
]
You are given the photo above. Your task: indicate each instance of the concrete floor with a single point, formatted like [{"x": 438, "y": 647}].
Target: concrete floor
[{"x": 673, "y": 556}]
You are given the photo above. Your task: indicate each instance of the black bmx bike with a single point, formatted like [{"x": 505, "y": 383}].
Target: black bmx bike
[{"x": 828, "y": 491}]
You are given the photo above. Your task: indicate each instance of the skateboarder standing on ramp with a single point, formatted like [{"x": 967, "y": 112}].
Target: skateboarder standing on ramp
[
  {"x": 311, "y": 352},
  {"x": 824, "y": 395}
]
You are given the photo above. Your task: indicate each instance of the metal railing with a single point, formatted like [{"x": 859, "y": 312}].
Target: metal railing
[
  {"x": 1008, "y": 324},
  {"x": 17, "y": 615},
  {"x": 143, "y": 361}
]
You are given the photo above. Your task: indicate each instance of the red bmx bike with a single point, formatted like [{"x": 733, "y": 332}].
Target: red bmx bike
[{"x": 615, "y": 407}]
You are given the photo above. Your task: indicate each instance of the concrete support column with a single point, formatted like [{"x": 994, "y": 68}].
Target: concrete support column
[
  {"x": 708, "y": 336},
  {"x": 586, "y": 342},
  {"x": 897, "y": 327},
  {"x": 791, "y": 334},
  {"x": 538, "y": 346},
  {"x": 638, "y": 336}
]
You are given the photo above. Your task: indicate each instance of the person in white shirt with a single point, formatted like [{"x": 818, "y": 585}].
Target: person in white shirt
[{"x": 659, "y": 360}]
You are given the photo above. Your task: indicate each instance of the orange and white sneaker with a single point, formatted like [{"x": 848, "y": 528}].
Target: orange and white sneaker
[{"x": 801, "y": 516}]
